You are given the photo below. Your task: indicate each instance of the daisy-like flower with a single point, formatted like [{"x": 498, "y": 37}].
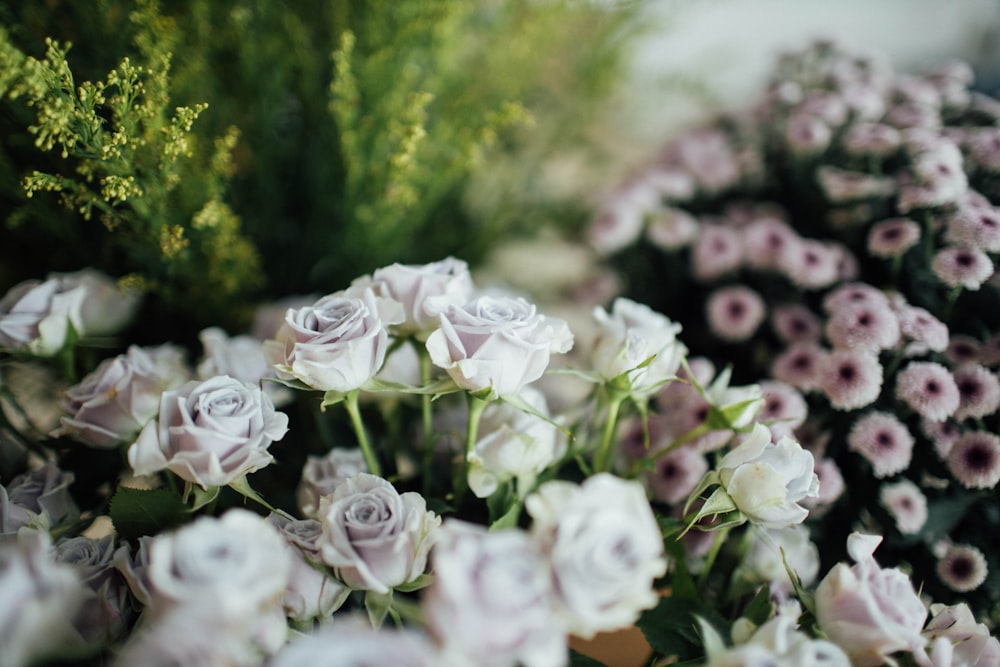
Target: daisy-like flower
[
  {"x": 807, "y": 134},
  {"x": 943, "y": 435},
  {"x": 962, "y": 568},
  {"x": 734, "y": 313},
  {"x": 716, "y": 252},
  {"x": 893, "y": 237},
  {"x": 855, "y": 294},
  {"x": 962, "y": 349},
  {"x": 831, "y": 486},
  {"x": 958, "y": 266},
  {"x": 676, "y": 474},
  {"x": 841, "y": 186},
  {"x": 620, "y": 220},
  {"x": 984, "y": 148},
  {"x": 929, "y": 389},
  {"x": 810, "y": 264},
  {"x": 765, "y": 240},
  {"x": 850, "y": 379},
  {"x": 975, "y": 227},
  {"x": 862, "y": 327},
  {"x": 989, "y": 353},
  {"x": 795, "y": 322},
  {"x": 906, "y": 504},
  {"x": 974, "y": 460},
  {"x": 671, "y": 228},
  {"x": 883, "y": 441},
  {"x": 690, "y": 414},
  {"x": 978, "y": 391},
  {"x": 784, "y": 409},
  {"x": 799, "y": 365},
  {"x": 871, "y": 140},
  {"x": 921, "y": 327}
]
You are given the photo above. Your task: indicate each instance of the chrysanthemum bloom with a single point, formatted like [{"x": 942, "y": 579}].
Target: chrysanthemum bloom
[
  {"x": 943, "y": 435},
  {"x": 813, "y": 436},
  {"x": 850, "y": 379},
  {"x": 921, "y": 327},
  {"x": 707, "y": 155},
  {"x": 909, "y": 114},
  {"x": 862, "y": 327},
  {"x": 795, "y": 322},
  {"x": 685, "y": 416},
  {"x": 841, "y": 186},
  {"x": 716, "y": 252},
  {"x": 676, "y": 474},
  {"x": 975, "y": 227},
  {"x": 984, "y": 147},
  {"x": 884, "y": 441},
  {"x": 975, "y": 460},
  {"x": 734, "y": 313},
  {"x": 871, "y": 139},
  {"x": 906, "y": 504},
  {"x": 619, "y": 221},
  {"x": 810, "y": 264},
  {"x": 989, "y": 353},
  {"x": 799, "y": 365},
  {"x": 962, "y": 349},
  {"x": 893, "y": 237},
  {"x": 807, "y": 134},
  {"x": 957, "y": 266},
  {"x": 929, "y": 389},
  {"x": 855, "y": 294},
  {"x": 978, "y": 391},
  {"x": 831, "y": 486},
  {"x": 765, "y": 240},
  {"x": 784, "y": 409},
  {"x": 962, "y": 568},
  {"x": 671, "y": 228}
]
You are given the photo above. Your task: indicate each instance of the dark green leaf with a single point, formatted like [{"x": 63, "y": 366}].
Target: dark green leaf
[
  {"x": 760, "y": 609},
  {"x": 580, "y": 660},
  {"x": 671, "y": 628},
  {"x": 138, "y": 512}
]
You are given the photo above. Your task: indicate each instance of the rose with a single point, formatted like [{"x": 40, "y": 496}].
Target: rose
[
  {"x": 310, "y": 594},
  {"x": 496, "y": 344},
  {"x": 322, "y": 474},
  {"x": 352, "y": 642},
  {"x": 241, "y": 357},
  {"x": 39, "y": 599},
  {"x": 134, "y": 568},
  {"x": 106, "y": 613},
  {"x": 954, "y": 629},
  {"x": 869, "y": 611},
  {"x": 424, "y": 291},
  {"x": 107, "y": 308},
  {"x": 112, "y": 403},
  {"x": 39, "y": 497},
  {"x": 209, "y": 433},
  {"x": 771, "y": 550},
  {"x": 631, "y": 335},
  {"x": 491, "y": 601},
  {"x": 779, "y": 642},
  {"x": 239, "y": 562},
  {"x": 336, "y": 344},
  {"x": 513, "y": 444},
  {"x": 374, "y": 537},
  {"x": 605, "y": 548},
  {"x": 37, "y": 316},
  {"x": 767, "y": 480}
]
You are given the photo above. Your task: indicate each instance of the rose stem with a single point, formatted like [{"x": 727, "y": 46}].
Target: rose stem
[
  {"x": 351, "y": 403},
  {"x": 425, "y": 406},
  {"x": 602, "y": 461},
  {"x": 713, "y": 552}
]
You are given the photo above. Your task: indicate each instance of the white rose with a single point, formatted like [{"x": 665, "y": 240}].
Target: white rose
[
  {"x": 336, "y": 344},
  {"x": 112, "y": 403},
  {"x": 38, "y": 600},
  {"x": 780, "y": 643},
  {"x": 498, "y": 344},
  {"x": 768, "y": 552},
  {"x": 968, "y": 643},
  {"x": 352, "y": 642},
  {"x": 241, "y": 357},
  {"x": 107, "y": 308},
  {"x": 209, "y": 433},
  {"x": 425, "y": 291},
  {"x": 37, "y": 315},
  {"x": 491, "y": 601},
  {"x": 605, "y": 548},
  {"x": 767, "y": 480},
  {"x": 322, "y": 474},
  {"x": 513, "y": 444},
  {"x": 374, "y": 537},
  {"x": 238, "y": 562},
  {"x": 630, "y": 335},
  {"x": 869, "y": 611}
]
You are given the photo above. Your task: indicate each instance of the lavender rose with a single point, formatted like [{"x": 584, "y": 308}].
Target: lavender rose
[
  {"x": 209, "y": 433},
  {"x": 310, "y": 593},
  {"x": 322, "y": 474},
  {"x": 496, "y": 344},
  {"x": 241, "y": 357},
  {"x": 40, "y": 497},
  {"x": 374, "y": 537},
  {"x": 336, "y": 344},
  {"x": 107, "y": 307},
  {"x": 353, "y": 643},
  {"x": 37, "y": 316}
]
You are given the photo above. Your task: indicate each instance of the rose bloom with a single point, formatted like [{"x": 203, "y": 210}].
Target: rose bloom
[
  {"x": 425, "y": 291},
  {"x": 978, "y": 391},
  {"x": 929, "y": 389},
  {"x": 716, "y": 252},
  {"x": 767, "y": 480},
  {"x": 310, "y": 593},
  {"x": 605, "y": 550},
  {"x": 322, "y": 474},
  {"x": 496, "y": 344},
  {"x": 884, "y": 441},
  {"x": 905, "y": 504},
  {"x": 37, "y": 316},
  {"x": 374, "y": 537},
  {"x": 892, "y": 237},
  {"x": 240, "y": 357},
  {"x": 778, "y": 642},
  {"x": 336, "y": 344},
  {"x": 39, "y": 497},
  {"x": 620, "y": 218},
  {"x": 770, "y": 550},
  {"x": 107, "y": 308},
  {"x": 963, "y": 568},
  {"x": 869, "y": 611},
  {"x": 629, "y": 336},
  {"x": 209, "y": 433},
  {"x": 967, "y": 641},
  {"x": 974, "y": 460},
  {"x": 799, "y": 365},
  {"x": 850, "y": 379},
  {"x": 795, "y": 323},
  {"x": 352, "y": 642},
  {"x": 492, "y": 600},
  {"x": 861, "y": 327},
  {"x": 735, "y": 313},
  {"x": 957, "y": 266}
]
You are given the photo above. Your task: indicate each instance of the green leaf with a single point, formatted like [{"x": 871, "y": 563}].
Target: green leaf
[
  {"x": 509, "y": 519},
  {"x": 671, "y": 628},
  {"x": 138, "y": 512},
  {"x": 332, "y": 398},
  {"x": 423, "y": 581},
  {"x": 437, "y": 388},
  {"x": 577, "y": 659},
  {"x": 377, "y": 605},
  {"x": 516, "y": 401},
  {"x": 761, "y": 608}
]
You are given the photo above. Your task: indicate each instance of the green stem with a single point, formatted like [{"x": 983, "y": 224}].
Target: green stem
[
  {"x": 602, "y": 460},
  {"x": 426, "y": 417},
  {"x": 713, "y": 553},
  {"x": 351, "y": 403},
  {"x": 476, "y": 407}
]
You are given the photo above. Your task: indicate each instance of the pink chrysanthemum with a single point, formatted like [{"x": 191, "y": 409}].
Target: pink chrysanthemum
[
  {"x": 863, "y": 327},
  {"x": 920, "y": 326},
  {"x": 831, "y": 487},
  {"x": 734, "y": 313},
  {"x": 893, "y": 237},
  {"x": 975, "y": 460},
  {"x": 807, "y": 134},
  {"x": 676, "y": 474},
  {"x": 984, "y": 147},
  {"x": 957, "y": 266},
  {"x": 943, "y": 435},
  {"x": 716, "y": 252},
  {"x": 620, "y": 220},
  {"x": 855, "y": 294},
  {"x": 810, "y": 264},
  {"x": 871, "y": 139},
  {"x": 884, "y": 441},
  {"x": 685, "y": 416},
  {"x": 794, "y": 323},
  {"x": 962, "y": 349},
  {"x": 671, "y": 228},
  {"x": 799, "y": 365},
  {"x": 765, "y": 240},
  {"x": 850, "y": 379},
  {"x": 784, "y": 408},
  {"x": 975, "y": 227},
  {"x": 962, "y": 568},
  {"x": 813, "y": 437},
  {"x": 978, "y": 391},
  {"x": 702, "y": 371},
  {"x": 929, "y": 389},
  {"x": 989, "y": 353},
  {"x": 842, "y": 186},
  {"x": 905, "y": 504}
]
